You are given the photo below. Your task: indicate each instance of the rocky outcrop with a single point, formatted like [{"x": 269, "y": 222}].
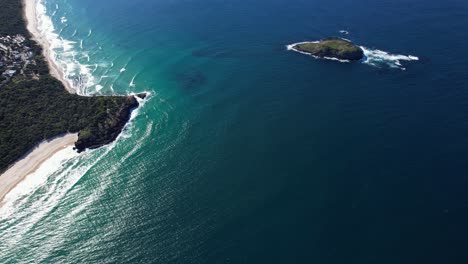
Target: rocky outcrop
[
  {"x": 107, "y": 130},
  {"x": 331, "y": 48}
]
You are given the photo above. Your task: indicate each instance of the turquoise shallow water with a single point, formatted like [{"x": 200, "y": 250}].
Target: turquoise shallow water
[{"x": 246, "y": 152}]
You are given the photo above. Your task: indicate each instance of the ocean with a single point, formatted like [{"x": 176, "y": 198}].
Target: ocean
[{"x": 247, "y": 152}]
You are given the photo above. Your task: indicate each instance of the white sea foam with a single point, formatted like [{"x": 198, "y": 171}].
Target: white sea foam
[
  {"x": 132, "y": 83},
  {"x": 89, "y": 33},
  {"x": 126, "y": 132},
  {"x": 63, "y": 52},
  {"x": 86, "y": 56},
  {"x": 99, "y": 87},
  {"x": 63, "y": 20},
  {"x": 56, "y": 183},
  {"x": 36, "y": 179},
  {"x": 74, "y": 33},
  {"x": 345, "y": 32},
  {"x": 380, "y": 58}
]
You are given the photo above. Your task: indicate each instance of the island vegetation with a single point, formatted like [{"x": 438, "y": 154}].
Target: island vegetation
[
  {"x": 332, "y": 48},
  {"x": 37, "y": 107}
]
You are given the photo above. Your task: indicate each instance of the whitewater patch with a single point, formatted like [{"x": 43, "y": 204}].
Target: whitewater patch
[
  {"x": 29, "y": 209},
  {"x": 127, "y": 130},
  {"x": 132, "y": 82},
  {"x": 379, "y": 58},
  {"x": 36, "y": 180},
  {"x": 62, "y": 51},
  {"x": 99, "y": 87}
]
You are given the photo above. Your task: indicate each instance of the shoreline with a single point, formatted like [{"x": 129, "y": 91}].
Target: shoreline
[
  {"x": 32, "y": 160},
  {"x": 293, "y": 48},
  {"x": 30, "y": 17}
]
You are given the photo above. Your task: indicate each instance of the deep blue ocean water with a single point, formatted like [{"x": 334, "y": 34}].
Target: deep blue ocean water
[{"x": 246, "y": 152}]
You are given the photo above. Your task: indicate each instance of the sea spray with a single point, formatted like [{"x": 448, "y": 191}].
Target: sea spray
[{"x": 379, "y": 58}]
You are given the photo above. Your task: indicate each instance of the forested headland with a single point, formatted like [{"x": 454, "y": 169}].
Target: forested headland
[{"x": 35, "y": 109}]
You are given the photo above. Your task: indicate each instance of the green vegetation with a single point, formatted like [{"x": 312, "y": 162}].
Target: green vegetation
[
  {"x": 11, "y": 21},
  {"x": 333, "y": 48},
  {"x": 34, "y": 110}
]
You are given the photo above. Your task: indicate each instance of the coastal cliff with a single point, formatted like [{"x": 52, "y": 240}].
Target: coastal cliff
[
  {"x": 105, "y": 131},
  {"x": 37, "y": 107}
]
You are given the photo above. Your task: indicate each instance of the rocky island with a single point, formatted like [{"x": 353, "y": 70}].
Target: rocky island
[{"x": 335, "y": 48}]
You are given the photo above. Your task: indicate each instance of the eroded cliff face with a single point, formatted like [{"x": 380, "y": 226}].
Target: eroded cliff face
[{"x": 107, "y": 129}]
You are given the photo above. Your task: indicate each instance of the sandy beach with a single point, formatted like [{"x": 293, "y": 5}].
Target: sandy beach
[
  {"x": 31, "y": 162},
  {"x": 29, "y": 8}
]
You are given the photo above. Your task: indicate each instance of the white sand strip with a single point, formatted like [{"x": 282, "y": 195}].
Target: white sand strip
[
  {"x": 30, "y": 15},
  {"x": 43, "y": 151},
  {"x": 32, "y": 161}
]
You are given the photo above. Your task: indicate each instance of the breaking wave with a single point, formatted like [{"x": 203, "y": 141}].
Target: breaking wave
[
  {"x": 379, "y": 58},
  {"x": 62, "y": 51}
]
